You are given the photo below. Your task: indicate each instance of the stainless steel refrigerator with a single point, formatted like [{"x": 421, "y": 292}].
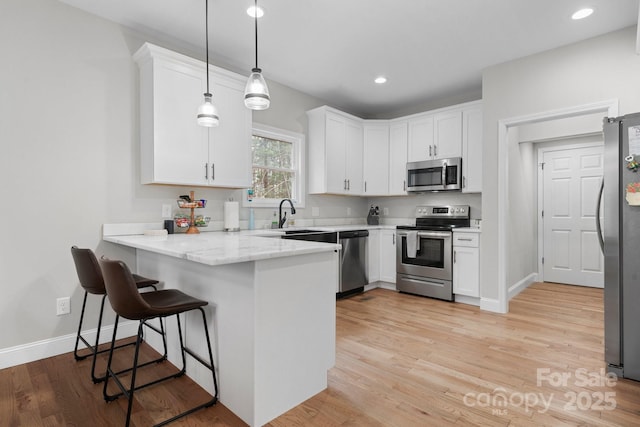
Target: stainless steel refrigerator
[{"x": 620, "y": 241}]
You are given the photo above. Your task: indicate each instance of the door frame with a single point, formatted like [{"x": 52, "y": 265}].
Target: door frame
[
  {"x": 609, "y": 107},
  {"x": 540, "y": 190}
]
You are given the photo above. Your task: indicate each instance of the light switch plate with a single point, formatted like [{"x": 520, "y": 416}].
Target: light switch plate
[
  {"x": 348, "y": 211},
  {"x": 315, "y": 211},
  {"x": 385, "y": 211}
]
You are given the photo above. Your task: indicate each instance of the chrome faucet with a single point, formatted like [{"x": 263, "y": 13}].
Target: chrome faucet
[{"x": 283, "y": 219}]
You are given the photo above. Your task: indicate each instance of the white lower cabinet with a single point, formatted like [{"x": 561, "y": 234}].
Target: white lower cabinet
[
  {"x": 373, "y": 256},
  {"x": 466, "y": 264},
  {"x": 388, "y": 256}
]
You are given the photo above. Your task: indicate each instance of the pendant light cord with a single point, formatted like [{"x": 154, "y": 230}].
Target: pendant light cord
[
  {"x": 256, "y": 27},
  {"x": 206, "y": 30}
]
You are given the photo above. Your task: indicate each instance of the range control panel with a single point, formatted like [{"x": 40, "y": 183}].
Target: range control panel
[{"x": 456, "y": 211}]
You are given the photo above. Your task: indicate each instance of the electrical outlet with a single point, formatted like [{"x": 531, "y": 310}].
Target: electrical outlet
[
  {"x": 348, "y": 211},
  {"x": 63, "y": 306},
  {"x": 166, "y": 211},
  {"x": 385, "y": 211},
  {"x": 315, "y": 211}
]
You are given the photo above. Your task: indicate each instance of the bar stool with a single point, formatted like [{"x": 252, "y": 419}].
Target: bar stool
[
  {"x": 127, "y": 302},
  {"x": 92, "y": 282}
]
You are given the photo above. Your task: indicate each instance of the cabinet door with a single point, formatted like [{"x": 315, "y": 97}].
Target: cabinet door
[
  {"x": 420, "y": 145},
  {"x": 466, "y": 271},
  {"x": 376, "y": 159},
  {"x": 178, "y": 144},
  {"x": 373, "y": 255},
  {"x": 353, "y": 157},
  {"x": 472, "y": 150},
  {"x": 388, "y": 256},
  {"x": 447, "y": 134},
  {"x": 335, "y": 154},
  {"x": 398, "y": 159},
  {"x": 230, "y": 142}
]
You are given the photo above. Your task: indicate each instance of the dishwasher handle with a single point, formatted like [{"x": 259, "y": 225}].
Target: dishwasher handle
[{"x": 354, "y": 234}]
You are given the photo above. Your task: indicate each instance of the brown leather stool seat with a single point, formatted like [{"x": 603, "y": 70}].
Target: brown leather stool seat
[
  {"x": 127, "y": 302},
  {"x": 91, "y": 280}
]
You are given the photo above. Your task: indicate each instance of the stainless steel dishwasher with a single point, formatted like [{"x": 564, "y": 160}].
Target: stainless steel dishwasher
[{"x": 353, "y": 261}]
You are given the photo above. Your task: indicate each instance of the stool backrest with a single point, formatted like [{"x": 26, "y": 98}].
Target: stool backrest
[
  {"x": 122, "y": 290},
  {"x": 88, "y": 270}
]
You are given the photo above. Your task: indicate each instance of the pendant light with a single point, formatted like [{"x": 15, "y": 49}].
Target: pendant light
[
  {"x": 207, "y": 112},
  {"x": 256, "y": 93}
]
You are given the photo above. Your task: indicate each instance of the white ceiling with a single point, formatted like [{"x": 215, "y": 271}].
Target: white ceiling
[{"x": 333, "y": 49}]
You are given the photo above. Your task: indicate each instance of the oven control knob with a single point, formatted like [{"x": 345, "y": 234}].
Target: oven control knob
[{"x": 456, "y": 210}]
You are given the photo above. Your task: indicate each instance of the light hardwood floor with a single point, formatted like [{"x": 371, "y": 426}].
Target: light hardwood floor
[{"x": 401, "y": 361}]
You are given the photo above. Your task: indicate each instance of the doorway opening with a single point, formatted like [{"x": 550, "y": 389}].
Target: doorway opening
[{"x": 511, "y": 278}]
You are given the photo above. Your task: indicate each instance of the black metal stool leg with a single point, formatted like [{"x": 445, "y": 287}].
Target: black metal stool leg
[{"x": 79, "y": 335}]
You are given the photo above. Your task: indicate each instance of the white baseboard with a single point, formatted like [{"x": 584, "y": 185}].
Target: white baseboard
[
  {"x": 489, "y": 304},
  {"x": 37, "y": 350},
  {"x": 380, "y": 284},
  {"x": 464, "y": 299},
  {"x": 520, "y": 286}
]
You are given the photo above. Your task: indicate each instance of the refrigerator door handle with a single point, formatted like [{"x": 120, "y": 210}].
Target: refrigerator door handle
[{"x": 598, "y": 224}]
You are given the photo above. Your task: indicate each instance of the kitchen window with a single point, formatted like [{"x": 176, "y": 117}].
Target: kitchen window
[{"x": 277, "y": 166}]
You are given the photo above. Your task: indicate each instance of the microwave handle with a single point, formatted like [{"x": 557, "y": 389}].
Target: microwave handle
[{"x": 444, "y": 174}]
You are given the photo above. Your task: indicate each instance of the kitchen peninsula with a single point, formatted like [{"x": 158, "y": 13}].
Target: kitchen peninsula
[{"x": 271, "y": 311}]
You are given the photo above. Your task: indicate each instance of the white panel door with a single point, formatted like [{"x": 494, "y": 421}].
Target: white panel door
[{"x": 571, "y": 182}]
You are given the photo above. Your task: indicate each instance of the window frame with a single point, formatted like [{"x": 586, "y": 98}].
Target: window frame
[{"x": 298, "y": 159}]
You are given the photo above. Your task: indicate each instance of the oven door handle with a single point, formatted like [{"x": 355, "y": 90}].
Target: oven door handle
[{"x": 434, "y": 234}]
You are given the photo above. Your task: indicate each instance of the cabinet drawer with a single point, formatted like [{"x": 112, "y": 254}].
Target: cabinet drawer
[{"x": 466, "y": 239}]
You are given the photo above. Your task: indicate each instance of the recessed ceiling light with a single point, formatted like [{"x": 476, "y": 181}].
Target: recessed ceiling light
[
  {"x": 252, "y": 12},
  {"x": 380, "y": 80},
  {"x": 582, "y": 13}
]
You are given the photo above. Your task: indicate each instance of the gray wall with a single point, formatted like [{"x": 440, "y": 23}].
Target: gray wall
[
  {"x": 594, "y": 70},
  {"x": 70, "y": 158}
]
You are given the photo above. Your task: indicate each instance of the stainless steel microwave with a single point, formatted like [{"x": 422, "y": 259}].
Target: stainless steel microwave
[{"x": 434, "y": 175}]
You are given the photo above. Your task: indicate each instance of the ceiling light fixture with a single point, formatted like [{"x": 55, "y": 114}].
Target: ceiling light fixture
[
  {"x": 255, "y": 11},
  {"x": 380, "y": 80},
  {"x": 256, "y": 92},
  {"x": 207, "y": 112},
  {"x": 582, "y": 13}
]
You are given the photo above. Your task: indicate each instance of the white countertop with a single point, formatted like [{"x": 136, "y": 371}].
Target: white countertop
[{"x": 218, "y": 248}]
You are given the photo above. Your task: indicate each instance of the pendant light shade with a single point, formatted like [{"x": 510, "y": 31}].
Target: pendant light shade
[
  {"x": 207, "y": 112},
  {"x": 256, "y": 93}
]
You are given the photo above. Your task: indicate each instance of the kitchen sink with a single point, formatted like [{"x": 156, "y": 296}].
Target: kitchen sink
[{"x": 300, "y": 231}]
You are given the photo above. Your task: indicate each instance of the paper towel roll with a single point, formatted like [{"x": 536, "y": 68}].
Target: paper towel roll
[{"x": 231, "y": 216}]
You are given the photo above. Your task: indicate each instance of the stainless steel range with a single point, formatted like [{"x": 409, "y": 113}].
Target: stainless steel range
[{"x": 424, "y": 252}]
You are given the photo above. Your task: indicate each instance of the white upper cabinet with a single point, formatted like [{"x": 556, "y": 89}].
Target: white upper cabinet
[
  {"x": 398, "y": 158},
  {"x": 435, "y": 135},
  {"x": 349, "y": 155},
  {"x": 472, "y": 148},
  {"x": 420, "y": 142},
  {"x": 447, "y": 134},
  {"x": 174, "y": 149},
  {"x": 335, "y": 152},
  {"x": 376, "y": 158}
]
